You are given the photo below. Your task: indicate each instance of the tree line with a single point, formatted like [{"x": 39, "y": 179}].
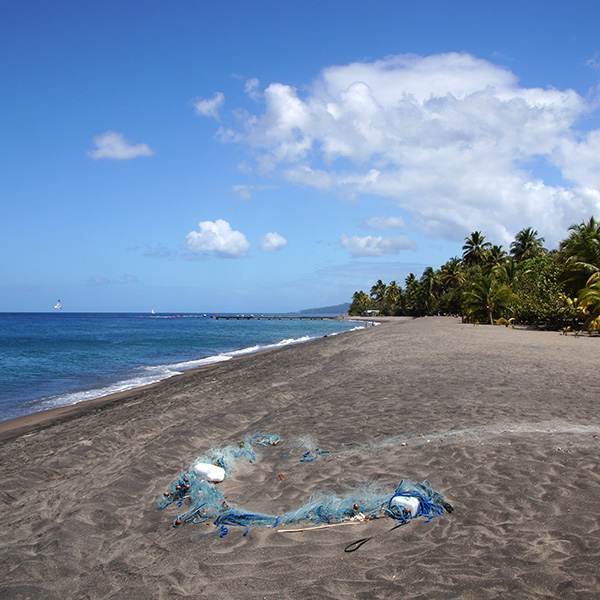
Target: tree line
[{"x": 557, "y": 289}]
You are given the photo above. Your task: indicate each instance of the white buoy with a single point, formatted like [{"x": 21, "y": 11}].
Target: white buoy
[
  {"x": 409, "y": 503},
  {"x": 209, "y": 472}
]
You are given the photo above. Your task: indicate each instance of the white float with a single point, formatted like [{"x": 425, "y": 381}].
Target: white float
[
  {"x": 209, "y": 472},
  {"x": 409, "y": 503}
]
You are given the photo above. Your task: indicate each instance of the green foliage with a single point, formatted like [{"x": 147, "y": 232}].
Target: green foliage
[
  {"x": 486, "y": 284},
  {"x": 580, "y": 255},
  {"x": 527, "y": 245},
  {"x": 360, "y": 303},
  {"x": 475, "y": 249},
  {"x": 539, "y": 292},
  {"x": 590, "y": 297},
  {"x": 486, "y": 296}
]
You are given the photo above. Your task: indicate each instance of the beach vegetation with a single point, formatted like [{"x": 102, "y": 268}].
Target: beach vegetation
[
  {"x": 527, "y": 245},
  {"x": 475, "y": 249},
  {"x": 531, "y": 286},
  {"x": 486, "y": 296}
]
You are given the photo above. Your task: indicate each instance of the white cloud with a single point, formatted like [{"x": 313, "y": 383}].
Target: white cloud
[
  {"x": 385, "y": 223},
  {"x": 376, "y": 245},
  {"x": 251, "y": 88},
  {"x": 210, "y": 107},
  {"x": 113, "y": 145},
  {"x": 217, "y": 237},
  {"x": 270, "y": 242},
  {"x": 445, "y": 137}
]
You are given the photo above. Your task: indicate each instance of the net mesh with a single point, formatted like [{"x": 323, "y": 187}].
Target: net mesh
[{"x": 204, "y": 501}]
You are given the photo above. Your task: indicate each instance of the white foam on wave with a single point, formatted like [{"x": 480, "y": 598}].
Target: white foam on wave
[{"x": 153, "y": 374}]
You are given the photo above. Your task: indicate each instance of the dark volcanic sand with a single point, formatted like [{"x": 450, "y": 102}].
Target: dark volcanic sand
[{"x": 510, "y": 422}]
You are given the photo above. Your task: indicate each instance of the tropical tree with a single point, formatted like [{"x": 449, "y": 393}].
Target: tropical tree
[
  {"x": 378, "y": 293},
  {"x": 590, "y": 298},
  {"x": 580, "y": 254},
  {"x": 452, "y": 274},
  {"x": 474, "y": 249},
  {"x": 411, "y": 293},
  {"x": 506, "y": 272},
  {"x": 539, "y": 291},
  {"x": 486, "y": 296},
  {"x": 392, "y": 300},
  {"x": 428, "y": 288},
  {"x": 452, "y": 277},
  {"x": 527, "y": 244},
  {"x": 493, "y": 258},
  {"x": 360, "y": 303}
]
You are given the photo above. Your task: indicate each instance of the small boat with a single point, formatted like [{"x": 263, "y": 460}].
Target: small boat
[{"x": 58, "y": 305}]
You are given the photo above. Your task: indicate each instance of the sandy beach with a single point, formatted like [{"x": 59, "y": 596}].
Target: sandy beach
[{"x": 504, "y": 422}]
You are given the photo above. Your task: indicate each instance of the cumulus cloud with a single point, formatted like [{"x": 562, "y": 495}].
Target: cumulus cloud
[
  {"x": 210, "y": 107},
  {"x": 217, "y": 238},
  {"x": 112, "y": 144},
  {"x": 376, "y": 245},
  {"x": 451, "y": 139},
  {"x": 271, "y": 242}
]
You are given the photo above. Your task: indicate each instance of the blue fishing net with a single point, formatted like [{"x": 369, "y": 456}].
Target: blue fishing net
[{"x": 205, "y": 502}]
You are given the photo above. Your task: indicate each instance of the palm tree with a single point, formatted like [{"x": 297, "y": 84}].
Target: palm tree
[
  {"x": 360, "y": 303},
  {"x": 428, "y": 285},
  {"x": 590, "y": 298},
  {"x": 581, "y": 252},
  {"x": 474, "y": 249},
  {"x": 527, "y": 245},
  {"x": 494, "y": 257},
  {"x": 506, "y": 272},
  {"x": 486, "y": 295},
  {"x": 452, "y": 274},
  {"x": 392, "y": 300},
  {"x": 378, "y": 293},
  {"x": 411, "y": 294}
]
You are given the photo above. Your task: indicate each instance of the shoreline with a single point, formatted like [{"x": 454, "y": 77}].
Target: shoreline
[
  {"x": 504, "y": 423},
  {"x": 24, "y": 424}
]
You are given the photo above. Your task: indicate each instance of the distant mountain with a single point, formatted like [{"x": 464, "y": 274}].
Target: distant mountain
[{"x": 338, "y": 309}]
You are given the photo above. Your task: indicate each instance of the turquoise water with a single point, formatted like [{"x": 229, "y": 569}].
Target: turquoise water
[{"x": 57, "y": 359}]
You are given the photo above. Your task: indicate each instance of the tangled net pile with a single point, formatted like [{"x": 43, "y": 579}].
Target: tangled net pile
[{"x": 206, "y": 502}]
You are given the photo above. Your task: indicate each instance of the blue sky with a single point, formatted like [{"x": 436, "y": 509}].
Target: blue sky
[{"x": 274, "y": 156}]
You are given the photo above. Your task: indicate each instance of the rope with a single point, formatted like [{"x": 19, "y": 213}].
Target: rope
[{"x": 325, "y": 509}]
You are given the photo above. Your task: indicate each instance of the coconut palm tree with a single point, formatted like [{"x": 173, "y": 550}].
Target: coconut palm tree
[
  {"x": 527, "y": 244},
  {"x": 360, "y": 303},
  {"x": 378, "y": 293},
  {"x": 581, "y": 253},
  {"x": 452, "y": 274},
  {"x": 474, "y": 249},
  {"x": 428, "y": 285},
  {"x": 494, "y": 257},
  {"x": 486, "y": 295},
  {"x": 411, "y": 294},
  {"x": 392, "y": 300},
  {"x": 590, "y": 298},
  {"x": 506, "y": 272}
]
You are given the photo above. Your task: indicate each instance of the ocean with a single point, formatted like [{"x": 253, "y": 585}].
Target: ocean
[{"x": 57, "y": 359}]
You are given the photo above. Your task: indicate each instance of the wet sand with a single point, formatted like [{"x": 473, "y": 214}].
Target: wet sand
[{"x": 503, "y": 422}]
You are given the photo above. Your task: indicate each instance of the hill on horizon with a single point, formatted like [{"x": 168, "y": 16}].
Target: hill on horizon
[{"x": 338, "y": 309}]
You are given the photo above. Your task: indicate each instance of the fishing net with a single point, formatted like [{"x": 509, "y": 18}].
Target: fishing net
[{"x": 205, "y": 502}]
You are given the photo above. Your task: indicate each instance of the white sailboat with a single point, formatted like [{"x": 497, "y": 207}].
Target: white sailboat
[{"x": 58, "y": 305}]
